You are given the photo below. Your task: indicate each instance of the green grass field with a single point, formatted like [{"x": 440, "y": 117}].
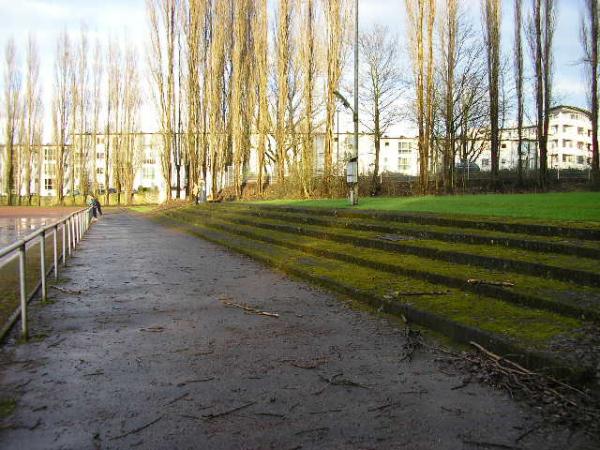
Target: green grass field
[{"x": 576, "y": 206}]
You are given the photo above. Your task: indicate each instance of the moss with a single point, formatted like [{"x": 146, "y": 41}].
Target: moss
[
  {"x": 7, "y": 407},
  {"x": 462, "y": 250},
  {"x": 548, "y": 289},
  {"x": 416, "y": 229},
  {"x": 531, "y": 328}
]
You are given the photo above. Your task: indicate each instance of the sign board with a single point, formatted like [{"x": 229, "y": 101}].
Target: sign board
[{"x": 352, "y": 171}]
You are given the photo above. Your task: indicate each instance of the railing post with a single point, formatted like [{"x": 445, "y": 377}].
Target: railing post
[
  {"x": 64, "y": 243},
  {"x": 73, "y": 236},
  {"x": 22, "y": 292},
  {"x": 43, "y": 265},
  {"x": 55, "y": 252},
  {"x": 70, "y": 239}
]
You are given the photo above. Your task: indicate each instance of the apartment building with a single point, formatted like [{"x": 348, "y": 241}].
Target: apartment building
[{"x": 569, "y": 143}]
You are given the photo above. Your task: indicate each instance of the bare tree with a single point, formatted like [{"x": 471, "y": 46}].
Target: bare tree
[
  {"x": 261, "y": 31},
  {"x": 162, "y": 17},
  {"x": 421, "y": 16},
  {"x": 130, "y": 152},
  {"x": 309, "y": 64},
  {"x": 62, "y": 102},
  {"x": 590, "y": 32},
  {"x": 194, "y": 13},
  {"x": 540, "y": 34},
  {"x": 337, "y": 13},
  {"x": 381, "y": 88},
  {"x": 492, "y": 18},
  {"x": 283, "y": 45},
  {"x": 97, "y": 101},
  {"x": 82, "y": 105},
  {"x": 519, "y": 70},
  {"x": 32, "y": 116},
  {"x": 12, "y": 107}
]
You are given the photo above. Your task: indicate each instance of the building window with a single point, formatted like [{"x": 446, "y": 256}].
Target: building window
[
  {"x": 503, "y": 145},
  {"x": 99, "y": 155},
  {"x": 403, "y": 165},
  {"x": 387, "y": 144},
  {"x": 48, "y": 184},
  {"x": 580, "y": 145},
  {"x": 580, "y": 160},
  {"x": 49, "y": 154},
  {"x": 485, "y": 162},
  {"x": 100, "y": 171},
  {"x": 404, "y": 147},
  {"x": 99, "y": 140},
  {"x": 580, "y": 131}
]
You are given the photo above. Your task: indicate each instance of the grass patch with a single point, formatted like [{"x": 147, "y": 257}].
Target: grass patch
[
  {"x": 7, "y": 407},
  {"x": 564, "y": 207}
]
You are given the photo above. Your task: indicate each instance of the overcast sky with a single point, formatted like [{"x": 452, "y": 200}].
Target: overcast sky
[{"x": 127, "y": 19}]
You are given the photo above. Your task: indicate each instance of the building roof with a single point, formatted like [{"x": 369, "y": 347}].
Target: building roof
[{"x": 574, "y": 108}]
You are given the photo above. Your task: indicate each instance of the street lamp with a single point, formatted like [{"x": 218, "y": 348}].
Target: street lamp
[{"x": 352, "y": 165}]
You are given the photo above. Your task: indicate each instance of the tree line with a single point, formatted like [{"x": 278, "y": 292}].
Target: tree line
[{"x": 229, "y": 76}]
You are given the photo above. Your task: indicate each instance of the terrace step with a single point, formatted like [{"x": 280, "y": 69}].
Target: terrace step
[
  {"x": 503, "y": 225},
  {"x": 507, "y": 259},
  {"x": 529, "y": 291},
  {"x": 529, "y": 336},
  {"x": 581, "y": 248}
]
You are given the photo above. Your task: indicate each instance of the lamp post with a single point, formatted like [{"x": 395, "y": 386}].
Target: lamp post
[
  {"x": 354, "y": 186},
  {"x": 352, "y": 165}
]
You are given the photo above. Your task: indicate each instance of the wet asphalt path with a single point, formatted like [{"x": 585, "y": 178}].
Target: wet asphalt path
[{"x": 138, "y": 350}]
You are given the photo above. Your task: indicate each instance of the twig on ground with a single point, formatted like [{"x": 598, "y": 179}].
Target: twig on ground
[
  {"x": 136, "y": 430},
  {"x": 200, "y": 380},
  {"x": 181, "y": 397},
  {"x": 56, "y": 343},
  {"x": 230, "y": 411},
  {"x": 491, "y": 283},
  {"x": 397, "y": 294},
  {"x": 65, "y": 291},
  {"x": 312, "y": 430},
  {"x": 249, "y": 309},
  {"x": 483, "y": 444}
]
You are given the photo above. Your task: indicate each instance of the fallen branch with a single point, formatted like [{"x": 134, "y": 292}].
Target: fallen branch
[
  {"x": 488, "y": 444},
  {"x": 230, "y": 411},
  {"x": 491, "y": 283},
  {"x": 336, "y": 381},
  {"x": 499, "y": 358},
  {"x": 249, "y": 309},
  {"x": 136, "y": 430},
  {"x": 181, "y": 397},
  {"x": 200, "y": 380},
  {"x": 65, "y": 291},
  {"x": 415, "y": 294}
]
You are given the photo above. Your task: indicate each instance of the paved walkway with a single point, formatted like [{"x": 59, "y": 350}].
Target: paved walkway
[{"x": 138, "y": 349}]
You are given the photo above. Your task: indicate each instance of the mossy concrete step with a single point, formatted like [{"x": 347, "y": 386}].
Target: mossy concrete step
[
  {"x": 422, "y": 249},
  {"x": 525, "y": 335},
  {"x": 509, "y": 226},
  {"x": 373, "y": 260},
  {"x": 446, "y": 234},
  {"x": 553, "y": 295}
]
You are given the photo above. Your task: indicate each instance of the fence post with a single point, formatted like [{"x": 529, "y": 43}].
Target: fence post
[
  {"x": 69, "y": 238},
  {"x": 55, "y": 252},
  {"x": 22, "y": 292},
  {"x": 43, "y": 265},
  {"x": 64, "y": 243}
]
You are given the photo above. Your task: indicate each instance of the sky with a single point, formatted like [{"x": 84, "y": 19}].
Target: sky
[{"x": 126, "y": 19}]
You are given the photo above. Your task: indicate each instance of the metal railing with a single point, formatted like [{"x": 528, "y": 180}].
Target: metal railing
[{"x": 73, "y": 228}]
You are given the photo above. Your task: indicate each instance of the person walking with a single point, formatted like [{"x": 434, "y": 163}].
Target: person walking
[
  {"x": 92, "y": 204},
  {"x": 97, "y": 206}
]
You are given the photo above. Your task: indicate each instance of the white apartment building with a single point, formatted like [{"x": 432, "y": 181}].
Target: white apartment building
[
  {"x": 569, "y": 143},
  {"x": 569, "y": 147}
]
